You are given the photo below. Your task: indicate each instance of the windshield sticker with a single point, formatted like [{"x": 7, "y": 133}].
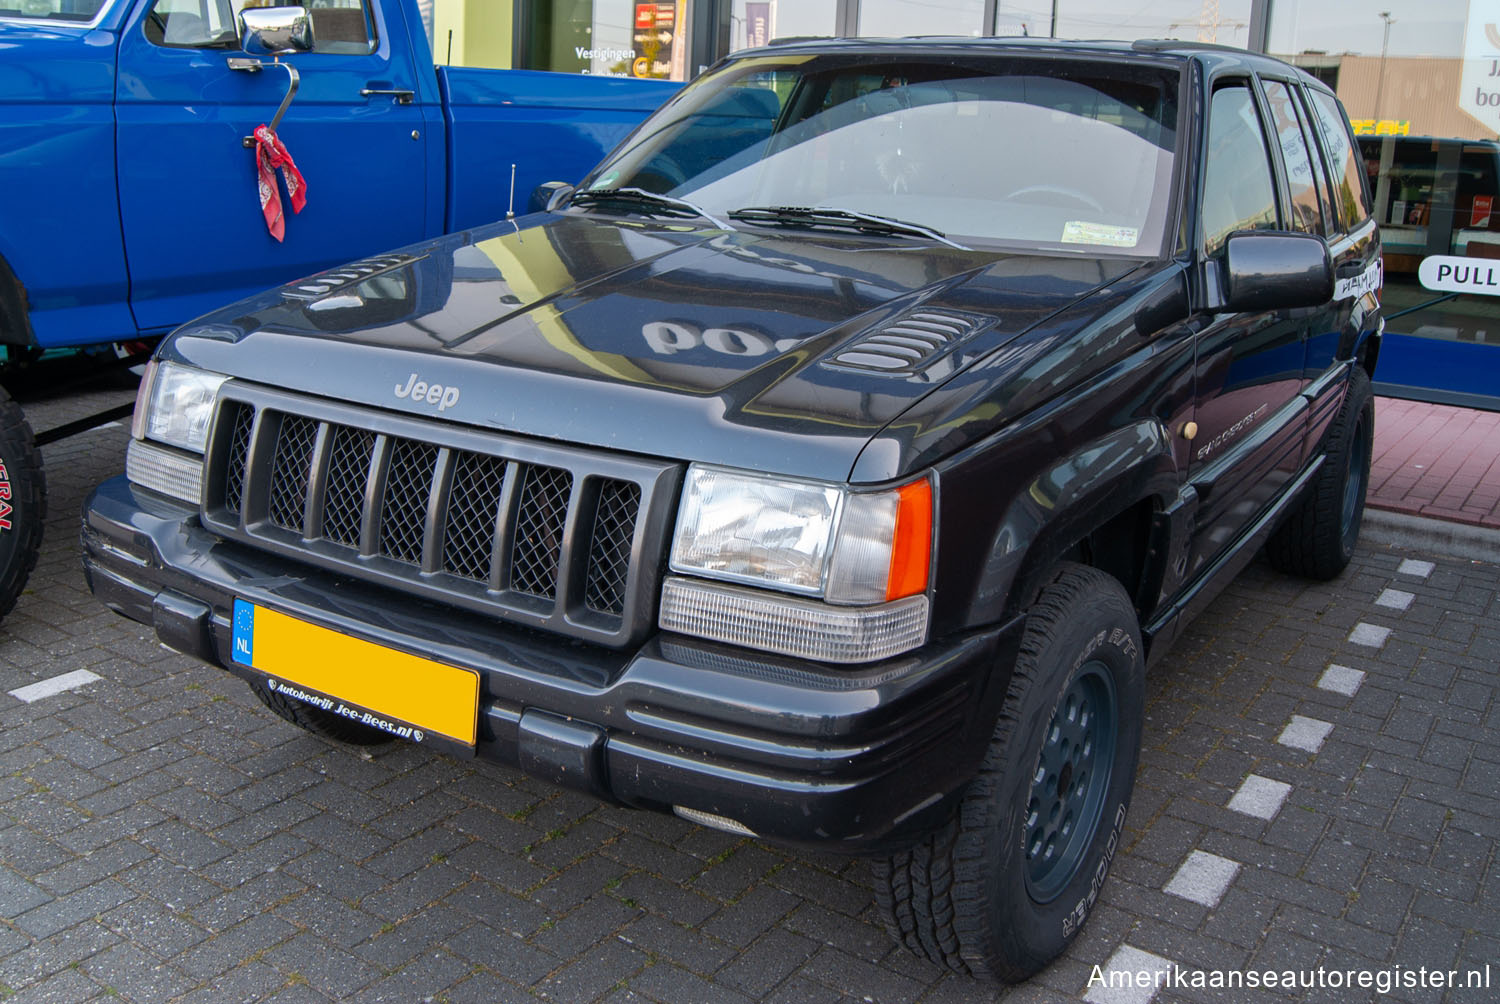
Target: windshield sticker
[
  {"x": 1079, "y": 232},
  {"x": 606, "y": 180}
]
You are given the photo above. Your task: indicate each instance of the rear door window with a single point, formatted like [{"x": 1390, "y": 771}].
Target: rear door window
[
  {"x": 1350, "y": 205},
  {"x": 1306, "y": 211}
]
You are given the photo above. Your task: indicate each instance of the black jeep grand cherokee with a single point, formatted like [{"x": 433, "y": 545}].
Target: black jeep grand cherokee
[{"x": 826, "y": 467}]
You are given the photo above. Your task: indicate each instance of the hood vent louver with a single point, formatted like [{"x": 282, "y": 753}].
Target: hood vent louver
[
  {"x": 323, "y": 284},
  {"x": 909, "y": 344}
]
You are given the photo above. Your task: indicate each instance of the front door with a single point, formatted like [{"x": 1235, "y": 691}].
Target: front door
[
  {"x": 195, "y": 238},
  {"x": 1250, "y": 415}
]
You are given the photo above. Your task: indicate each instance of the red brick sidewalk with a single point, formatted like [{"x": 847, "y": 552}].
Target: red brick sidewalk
[{"x": 1437, "y": 461}]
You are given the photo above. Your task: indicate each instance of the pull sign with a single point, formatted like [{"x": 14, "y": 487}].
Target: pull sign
[{"x": 1454, "y": 274}]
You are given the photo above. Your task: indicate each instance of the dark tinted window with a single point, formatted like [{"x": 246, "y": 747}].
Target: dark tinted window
[
  {"x": 1307, "y": 214},
  {"x": 1237, "y": 189},
  {"x": 1348, "y": 193}
]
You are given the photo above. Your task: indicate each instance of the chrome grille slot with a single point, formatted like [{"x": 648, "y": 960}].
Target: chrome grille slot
[
  {"x": 473, "y": 513},
  {"x": 609, "y": 551},
  {"x": 539, "y": 531},
  {"x": 408, "y": 484},
  {"x": 344, "y": 486},
  {"x": 239, "y": 455},
  {"x": 538, "y": 534},
  {"x": 291, "y": 471}
]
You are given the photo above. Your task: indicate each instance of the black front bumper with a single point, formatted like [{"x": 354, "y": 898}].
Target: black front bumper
[{"x": 848, "y": 759}]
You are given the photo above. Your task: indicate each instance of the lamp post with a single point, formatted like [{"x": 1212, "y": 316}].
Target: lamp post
[{"x": 1385, "y": 44}]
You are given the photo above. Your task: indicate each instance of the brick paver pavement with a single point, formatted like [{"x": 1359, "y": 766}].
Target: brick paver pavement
[
  {"x": 1320, "y": 786},
  {"x": 1437, "y": 461}
]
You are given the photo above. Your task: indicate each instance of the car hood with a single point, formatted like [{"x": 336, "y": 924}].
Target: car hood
[{"x": 782, "y": 352}]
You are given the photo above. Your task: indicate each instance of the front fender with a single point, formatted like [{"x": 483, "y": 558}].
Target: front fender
[{"x": 1067, "y": 501}]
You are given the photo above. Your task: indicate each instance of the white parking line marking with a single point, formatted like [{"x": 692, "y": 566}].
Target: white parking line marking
[
  {"x": 1260, "y": 797},
  {"x": 1395, "y": 599},
  {"x": 1371, "y": 635},
  {"x": 1341, "y": 679},
  {"x": 1131, "y": 976},
  {"x": 1411, "y": 566},
  {"x": 1305, "y": 733},
  {"x": 1203, "y": 878},
  {"x": 57, "y": 685}
]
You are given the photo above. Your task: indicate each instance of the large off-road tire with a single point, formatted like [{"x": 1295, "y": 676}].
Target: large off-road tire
[
  {"x": 1317, "y": 540},
  {"x": 1004, "y": 887},
  {"x": 23, "y": 502},
  {"x": 320, "y": 722}
]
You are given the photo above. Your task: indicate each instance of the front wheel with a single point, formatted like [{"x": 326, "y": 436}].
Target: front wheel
[
  {"x": 1003, "y": 888},
  {"x": 23, "y": 502}
]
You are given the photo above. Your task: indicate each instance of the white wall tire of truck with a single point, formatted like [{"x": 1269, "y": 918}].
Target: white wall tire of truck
[
  {"x": 1005, "y": 886},
  {"x": 319, "y": 722},
  {"x": 23, "y": 502},
  {"x": 1317, "y": 540}
]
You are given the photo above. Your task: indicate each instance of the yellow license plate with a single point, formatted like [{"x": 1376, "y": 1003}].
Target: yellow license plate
[{"x": 403, "y": 694}]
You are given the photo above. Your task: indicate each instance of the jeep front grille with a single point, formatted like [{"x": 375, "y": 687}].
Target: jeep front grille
[{"x": 558, "y": 538}]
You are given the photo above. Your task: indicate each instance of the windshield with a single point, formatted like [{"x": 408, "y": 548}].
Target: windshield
[
  {"x": 1042, "y": 152},
  {"x": 52, "y": 10}
]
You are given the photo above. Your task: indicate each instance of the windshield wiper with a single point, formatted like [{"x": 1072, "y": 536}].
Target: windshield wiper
[
  {"x": 814, "y": 216},
  {"x": 649, "y": 200}
]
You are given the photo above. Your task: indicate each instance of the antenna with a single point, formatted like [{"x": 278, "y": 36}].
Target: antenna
[{"x": 510, "y": 212}]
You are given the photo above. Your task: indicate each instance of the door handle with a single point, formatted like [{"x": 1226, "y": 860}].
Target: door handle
[
  {"x": 1349, "y": 270},
  {"x": 401, "y": 96}
]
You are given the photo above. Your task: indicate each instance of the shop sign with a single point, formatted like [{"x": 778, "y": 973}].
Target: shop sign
[
  {"x": 655, "y": 25},
  {"x": 1443, "y": 273},
  {"x": 757, "y": 24},
  {"x": 1479, "y": 89},
  {"x": 1381, "y": 127}
]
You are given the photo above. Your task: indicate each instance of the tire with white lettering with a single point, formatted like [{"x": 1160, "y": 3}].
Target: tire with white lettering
[
  {"x": 1317, "y": 540},
  {"x": 320, "y": 722},
  {"x": 23, "y": 502},
  {"x": 1004, "y": 887}
]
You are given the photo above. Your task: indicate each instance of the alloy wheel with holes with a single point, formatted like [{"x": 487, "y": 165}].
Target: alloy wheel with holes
[
  {"x": 1005, "y": 886},
  {"x": 1067, "y": 790}
]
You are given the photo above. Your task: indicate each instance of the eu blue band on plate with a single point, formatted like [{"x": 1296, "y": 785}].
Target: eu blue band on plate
[{"x": 244, "y": 632}]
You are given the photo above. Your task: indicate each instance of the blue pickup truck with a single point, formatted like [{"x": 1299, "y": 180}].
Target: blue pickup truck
[{"x": 131, "y": 183}]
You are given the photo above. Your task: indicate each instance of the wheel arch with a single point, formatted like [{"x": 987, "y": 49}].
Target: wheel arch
[{"x": 1098, "y": 506}]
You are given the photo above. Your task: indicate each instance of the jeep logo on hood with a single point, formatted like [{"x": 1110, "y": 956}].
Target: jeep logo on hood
[{"x": 422, "y": 392}]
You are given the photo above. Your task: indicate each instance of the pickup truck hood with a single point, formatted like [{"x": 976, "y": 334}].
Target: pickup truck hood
[{"x": 778, "y": 352}]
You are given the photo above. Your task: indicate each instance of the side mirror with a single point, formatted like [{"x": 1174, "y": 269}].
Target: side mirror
[
  {"x": 275, "y": 31},
  {"x": 549, "y": 195},
  {"x": 1276, "y": 271}
]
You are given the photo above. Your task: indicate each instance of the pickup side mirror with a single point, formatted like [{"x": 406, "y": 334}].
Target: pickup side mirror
[
  {"x": 275, "y": 31},
  {"x": 549, "y": 195},
  {"x": 1275, "y": 271}
]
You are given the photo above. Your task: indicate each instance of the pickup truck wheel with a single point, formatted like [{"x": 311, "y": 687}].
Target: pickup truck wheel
[
  {"x": 1317, "y": 540},
  {"x": 320, "y": 722},
  {"x": 23, "y": 502},
  {"x": 1004, "y": 887}
]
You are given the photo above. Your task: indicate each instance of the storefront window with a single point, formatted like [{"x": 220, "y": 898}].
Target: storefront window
[
  {"x": 756, "y": 22},
  {"x": 921, "y": 17},
  {"x": 1226, "y": 22},
  {"x": 1420, "y": 80},
  {"x": 616, "y": 38}
]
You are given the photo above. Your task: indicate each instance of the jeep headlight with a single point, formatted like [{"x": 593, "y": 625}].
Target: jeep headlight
[
  {"x": 856, "y": 564},
  {"x": 173, "y": 407}
]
